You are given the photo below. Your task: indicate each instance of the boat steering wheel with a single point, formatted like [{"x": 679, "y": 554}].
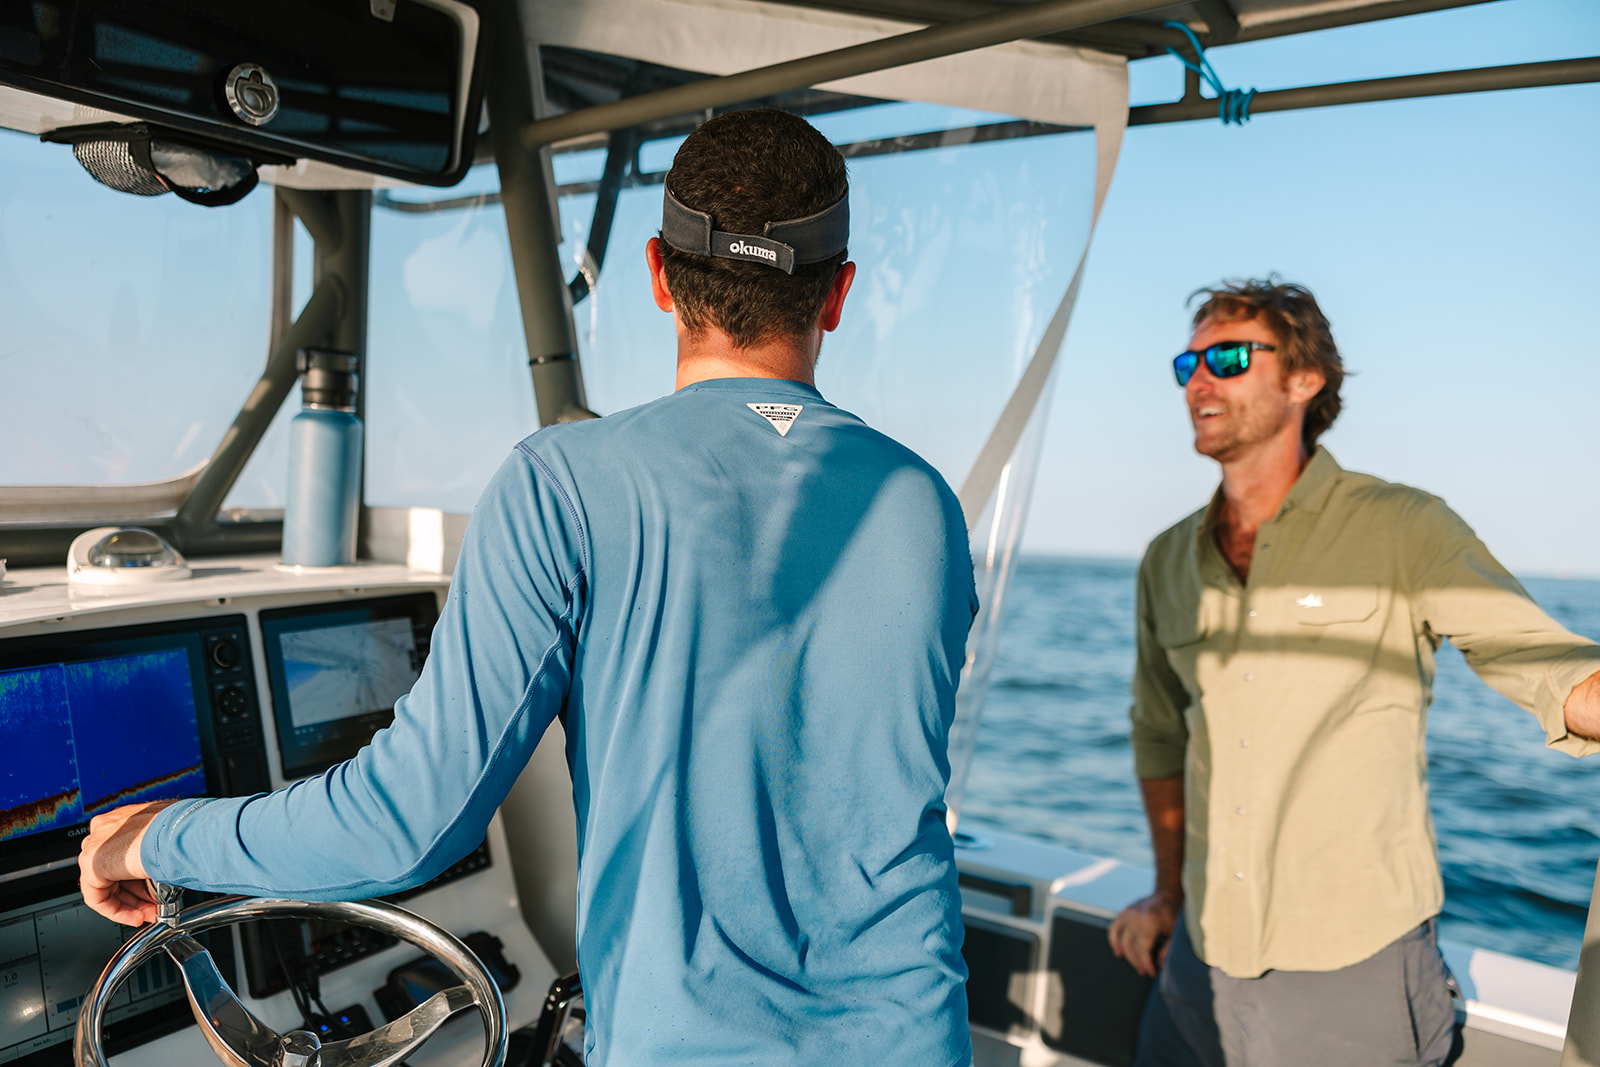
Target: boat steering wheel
[{"x": 240, "y": 1039}]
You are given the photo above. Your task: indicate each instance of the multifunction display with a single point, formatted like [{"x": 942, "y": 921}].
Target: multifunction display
[
  {"x": 83, "y": 738},
  {"x": 89, "y": 720},
  {"x": 93, "y": 719},
  {"x": 337, "y": 671}
]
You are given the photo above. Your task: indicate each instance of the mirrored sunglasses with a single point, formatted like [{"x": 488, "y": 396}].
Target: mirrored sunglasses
[{"x": 1225, "y": 359}]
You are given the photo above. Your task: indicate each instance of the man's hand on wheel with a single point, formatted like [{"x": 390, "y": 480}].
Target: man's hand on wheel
[
  {"x": 109, "y": 871},
  {"x": 1141, "y": 933}
]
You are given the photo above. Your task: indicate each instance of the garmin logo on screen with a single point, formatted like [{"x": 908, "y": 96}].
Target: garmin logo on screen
[{"x": 739, "y": 248}]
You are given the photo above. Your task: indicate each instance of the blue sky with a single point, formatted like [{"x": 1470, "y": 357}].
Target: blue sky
[{"x": 1454, "y": 243}]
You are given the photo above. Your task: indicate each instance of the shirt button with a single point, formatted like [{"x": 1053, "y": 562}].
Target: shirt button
[
  {"x": 1238, "y": 876},
  {"x": 1252, "y": 613},
  {"x": 1238, "y": 811},
  {"x": 1249, "y": 677},
  {"x": 1244, "y": 743},
  {"x": 1265, "y": 547}
]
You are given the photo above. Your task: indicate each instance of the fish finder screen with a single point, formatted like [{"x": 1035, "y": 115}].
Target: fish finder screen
[
  {"x": 82, "y": 738},
  {"x": 337, "y": 671}
]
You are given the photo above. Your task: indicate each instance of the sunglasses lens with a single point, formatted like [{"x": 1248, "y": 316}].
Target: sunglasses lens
[
  {"x": 1184, "y": 365},
  {"x": 1228, "y": 361}
]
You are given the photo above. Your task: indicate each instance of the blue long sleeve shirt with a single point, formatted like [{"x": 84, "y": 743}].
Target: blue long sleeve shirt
[{"x": 753, "y": 638}]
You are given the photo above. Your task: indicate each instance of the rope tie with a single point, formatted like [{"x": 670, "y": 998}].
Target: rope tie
[{"x": 1233, "y": 105}]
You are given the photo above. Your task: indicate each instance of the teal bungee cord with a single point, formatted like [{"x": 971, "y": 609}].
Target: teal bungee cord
[{"x": 1233, "y": 105}]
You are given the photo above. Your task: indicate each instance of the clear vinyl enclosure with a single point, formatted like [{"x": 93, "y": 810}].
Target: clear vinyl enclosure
[
  {"x": 965, "y": 247},
  {"x": 136, "y": 328},
  {"x": 133, "y": 326}
]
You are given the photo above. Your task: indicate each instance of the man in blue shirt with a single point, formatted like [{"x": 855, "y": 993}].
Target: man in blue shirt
[{"x": 750, "y": 610}]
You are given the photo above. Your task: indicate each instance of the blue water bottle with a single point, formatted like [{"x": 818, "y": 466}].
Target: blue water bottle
[{"x": 319, "y": 516}]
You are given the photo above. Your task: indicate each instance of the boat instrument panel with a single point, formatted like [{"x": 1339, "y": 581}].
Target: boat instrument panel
[{"x": 233, "y": 683}]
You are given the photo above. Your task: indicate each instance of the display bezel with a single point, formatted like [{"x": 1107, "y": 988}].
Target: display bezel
[
  {"x": 298, "y": 756},
  {"x": 50, "y": 847}
]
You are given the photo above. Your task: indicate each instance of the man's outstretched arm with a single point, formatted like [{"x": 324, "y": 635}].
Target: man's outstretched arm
[
  {"x": 1583, "y": 708},
  {"x": 420, "y": 795},
  {"x": 1139, "y": 935},
  {"x": 1463, "y": 593}
]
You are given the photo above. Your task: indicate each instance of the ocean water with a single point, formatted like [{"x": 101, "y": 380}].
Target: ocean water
[{"x": 1518, "y": 825}]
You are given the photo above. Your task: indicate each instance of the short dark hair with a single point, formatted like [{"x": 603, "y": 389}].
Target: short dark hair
[
  {"x": 1291, "y": 312},
  {"x": 746, "y": 169}
]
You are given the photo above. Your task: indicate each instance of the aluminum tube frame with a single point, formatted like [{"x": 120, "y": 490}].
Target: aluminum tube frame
[
  {"x": 281, "y": 316},
  {"x": 1412, "y": 86},
  {"x": 527, "y": 197},
  {"x": 1136, "y": 40},
  {"x": 1011, "y": 24},
  {"x": 345, "y": 261},
  {"x": 315, "y": 214},
  {"x": 198, "y": 515},
  {"x": 1328, "y": 20},
  {"x": 336, "y": 315}
]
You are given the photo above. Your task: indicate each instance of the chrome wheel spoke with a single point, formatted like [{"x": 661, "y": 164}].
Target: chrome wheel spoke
[
  {"x": 234, "y": 1034},
  {"x": 392, "y": 1042}
]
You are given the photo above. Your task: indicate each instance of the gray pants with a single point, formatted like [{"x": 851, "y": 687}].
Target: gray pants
[{"x": 1393, "y": 1008}]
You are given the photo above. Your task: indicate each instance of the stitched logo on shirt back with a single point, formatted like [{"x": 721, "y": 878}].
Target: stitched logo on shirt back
[
  {"x": 781, "y": 416},
  {"x": 1310, "y": 600}
]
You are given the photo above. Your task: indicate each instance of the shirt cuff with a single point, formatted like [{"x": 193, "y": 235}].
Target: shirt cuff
[
  {"x": 156, "y": 846},
  {"x": 1159, "y": 759},
  {"x": 1565, "y": 675}
]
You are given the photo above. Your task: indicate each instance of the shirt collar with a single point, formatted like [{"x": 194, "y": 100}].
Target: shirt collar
[
  {"x": 1310, "y": 493},
  {"x": 786, "y": 387},
  {"x": 1315, "y": 484}
]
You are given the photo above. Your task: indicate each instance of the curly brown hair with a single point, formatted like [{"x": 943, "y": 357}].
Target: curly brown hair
[
  {"x": 746, "y": 169},
  {"x": 1291, "y": 312}
]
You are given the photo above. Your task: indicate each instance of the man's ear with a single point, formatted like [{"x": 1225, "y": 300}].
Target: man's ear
[
  {"x": 1304, "y": 384},
  {"x": 833, "y": 304},
  {"x": 658, "y": 275}
]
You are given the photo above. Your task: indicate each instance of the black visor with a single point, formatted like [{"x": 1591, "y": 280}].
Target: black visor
[{"x": 781, "y": 244}]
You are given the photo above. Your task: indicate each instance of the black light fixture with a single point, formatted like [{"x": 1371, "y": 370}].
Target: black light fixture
[{"x": 145, "y": 160}]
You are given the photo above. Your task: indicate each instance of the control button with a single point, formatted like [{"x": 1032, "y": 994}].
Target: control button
[
  {"x": 232, "y": 701},
  {"x": 233, "y": 738},
  {"x": 225, "y": 653}
]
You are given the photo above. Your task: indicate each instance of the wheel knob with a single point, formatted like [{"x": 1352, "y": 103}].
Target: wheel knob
[{"x": 301, "y": 1048}]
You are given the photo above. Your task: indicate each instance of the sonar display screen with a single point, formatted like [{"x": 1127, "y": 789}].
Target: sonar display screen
[{"x": 82, "y": 738}]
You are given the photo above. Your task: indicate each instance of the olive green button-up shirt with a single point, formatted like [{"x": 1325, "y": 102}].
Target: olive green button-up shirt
[{"x": 1293, "y": 704}]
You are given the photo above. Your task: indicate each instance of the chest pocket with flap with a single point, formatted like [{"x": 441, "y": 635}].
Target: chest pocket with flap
[{"x": 1327, "y": 607}]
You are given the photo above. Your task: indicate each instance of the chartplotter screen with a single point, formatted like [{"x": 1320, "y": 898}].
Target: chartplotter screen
[{"x": 337, "y": 671}]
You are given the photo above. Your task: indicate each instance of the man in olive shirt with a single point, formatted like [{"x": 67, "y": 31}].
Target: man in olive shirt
[{"x": 1286, "y": 635}]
